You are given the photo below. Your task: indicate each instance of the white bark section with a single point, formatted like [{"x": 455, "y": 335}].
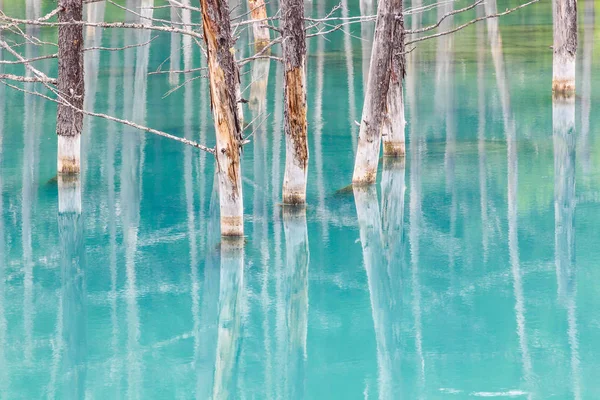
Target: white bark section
[
  {"x": 68, "y": 156},
  {"x": 586, "y": 85},
  {"x": 394, "y": 124},
  {"x": 565, "y": 46},
  {"x": 230, "y": 296},
  {"x": 349, "y": 54}
]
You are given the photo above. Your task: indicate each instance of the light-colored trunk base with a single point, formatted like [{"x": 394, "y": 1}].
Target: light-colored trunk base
[
  {"x": 69, "y": 193},
  {"x": 563, "y": 75},
  {"x": 394, "y": 149},
  {"x": 69, "y": 148},
  {"x": 232, "y": 226}
]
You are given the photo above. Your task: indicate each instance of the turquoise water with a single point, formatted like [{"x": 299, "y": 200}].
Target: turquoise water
[{"x": 468, "y": 271}]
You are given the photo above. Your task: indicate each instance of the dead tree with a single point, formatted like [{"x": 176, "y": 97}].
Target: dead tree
[
  {"x": 394, "y": 122},
  {"x": 69, "y": 121},
  {"x": 294, "y": 57},
  {"x": 224, "y": 79},
  {"x": 258, "y": 12},
  {"x": 565, "y": 47},
  {"x": 369, "y": 139}
]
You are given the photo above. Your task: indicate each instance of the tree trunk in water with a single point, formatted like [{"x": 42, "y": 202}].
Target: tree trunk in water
[
  {"x": 369, "y": 139},
  {"x": 294, "y": 57},
  {"x": 224, "y": 82},
  {"x": 565, "y": 46},
  {"x": 69, "y": 122},
  {"x": 258, "y": 12},
  {"x": 394, "y": 123}
]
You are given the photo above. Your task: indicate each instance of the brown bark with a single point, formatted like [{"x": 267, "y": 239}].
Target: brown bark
[
  {"x": 294, "y": 56},
  {"x": 224, "y": 80},
  {"x": 374, "y": 109},
  {"x": 69, "y": 122},
  {"x": 258, "y": 12}
]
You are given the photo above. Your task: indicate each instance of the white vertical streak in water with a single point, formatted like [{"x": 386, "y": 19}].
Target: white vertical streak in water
[
  {"x": 4, "y": 373},
  {"x": 513, "y": 176},
  {"x": 481, "y": 138},
  {"x": 31, "y": 125},
  {"x": 349, "y": 53},
  {"x": 586, "y": 80},
  {"x": 115, "y": 366},
  {"x": 318, "y": 123},
  {"x": 188, "y": 155},
  {"x": 367, "y": 32},
  {"x": 94, "y": 12},
  {"x": 175, "y": 56},
  {"x": 415, "y": 213}
]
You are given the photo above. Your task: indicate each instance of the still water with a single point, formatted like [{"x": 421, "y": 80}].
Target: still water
[{"x": 469, "y": 271}]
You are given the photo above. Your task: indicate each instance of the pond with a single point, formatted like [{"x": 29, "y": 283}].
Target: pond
[{"x": 469, "y": 270}]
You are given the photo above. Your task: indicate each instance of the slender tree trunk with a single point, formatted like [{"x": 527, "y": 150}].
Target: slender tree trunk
[
  {"x": 565, "y": 47},
  {"x": 69, "y": 123},
  {"x": 258, "y": 12},
  {"x": 224, "y": 81},
  {"x": 294, "y": 56},
  {"x": 374, "y": 109},
  {"x": 395, "y": 122}
]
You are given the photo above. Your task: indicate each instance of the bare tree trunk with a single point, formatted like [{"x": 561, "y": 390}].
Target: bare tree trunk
[
  {"x": 586, "y": 89},
  {"x": 565, "y": 46},
  {"x": 367, "y": 154},
  {"x": 395, "y": 122},
  {"x": 224, "y": 82},
  {"x": 258, "y": 12},
  {"x": 69, "y": 123},
  {"x": 294, "y": 56}
]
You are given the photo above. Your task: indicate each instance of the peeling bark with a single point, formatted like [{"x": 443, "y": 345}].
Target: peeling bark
[
  {"x": 294, "y": 55},
  {"x": 565, "y": 47},
  {"x": 395, "y": 122},
  {"x": 367, "y": 154},
  {"x": 224, "y": 83},
  {"x": 69, "y": 123},
  {"x": 258, "y": 12}
]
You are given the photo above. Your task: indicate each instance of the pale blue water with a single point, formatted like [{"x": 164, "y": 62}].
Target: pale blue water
[{"x": 480, "y": 279}]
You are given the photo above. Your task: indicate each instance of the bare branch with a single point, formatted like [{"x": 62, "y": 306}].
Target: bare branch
[
  {"x": 27, "y": 79},
  {"x": 458, "y": 28},
  {"x": 119, "y": 120},
  {"x": 430, "y": 27}
]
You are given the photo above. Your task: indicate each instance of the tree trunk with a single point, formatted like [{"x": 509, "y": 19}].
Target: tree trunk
[
  {"x": 565, "y": 47},
  {"x": 394, "y": 123},
  {"x": 69, "y": 122},
  {"x": 258, "y": 12},
  {"x": 374, "y": 109},
  {"x": 224, "y": 81},
  {"x": 294, "y": 57}
]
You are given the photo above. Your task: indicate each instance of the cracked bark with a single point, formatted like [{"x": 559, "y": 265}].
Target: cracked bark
[
  {"x": 294, "y": 57},
  {"x": 69, "y": 122},
  {"x": 374, "y": 108},
  {"x": 224, "y": 80},
  {"x": 394, "y": 122}
]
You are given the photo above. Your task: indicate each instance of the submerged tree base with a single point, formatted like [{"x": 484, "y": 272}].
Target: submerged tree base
[{"x": 69, "y": 150}]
